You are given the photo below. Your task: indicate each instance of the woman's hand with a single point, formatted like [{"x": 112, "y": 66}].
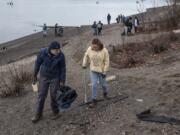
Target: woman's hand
[{"x": 103, "y": 75}]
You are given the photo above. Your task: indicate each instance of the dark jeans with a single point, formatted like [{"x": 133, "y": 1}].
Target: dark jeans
[
  {"x": 108, "y": 21},
  {"x": 94, "y": 31},
  {"x": 44, "y": 85},
  {"x": 99, "y": 31},
  {"x": 136, "y": 29}
]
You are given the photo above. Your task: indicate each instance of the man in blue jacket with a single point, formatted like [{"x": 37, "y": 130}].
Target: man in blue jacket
[{"x": 51, "y": 65}]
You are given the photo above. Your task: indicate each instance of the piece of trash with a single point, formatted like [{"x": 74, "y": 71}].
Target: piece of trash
[
  {"x": 176, "y": 31},
  {"x": 139, "y": 100}
]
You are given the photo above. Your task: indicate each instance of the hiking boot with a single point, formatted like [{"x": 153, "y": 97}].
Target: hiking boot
[
  {"x": 105, "y": 95},
  {"x": 93, "y": 104},
  {"x": 54, "y": 116},
  {"x": 36, "y": 118}
]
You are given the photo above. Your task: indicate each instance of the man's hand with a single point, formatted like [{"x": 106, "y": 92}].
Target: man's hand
[{"x": 62, "y": 83}]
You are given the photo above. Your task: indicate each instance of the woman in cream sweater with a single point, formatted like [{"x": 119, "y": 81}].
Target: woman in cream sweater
[{"x": 98, "y": 58}]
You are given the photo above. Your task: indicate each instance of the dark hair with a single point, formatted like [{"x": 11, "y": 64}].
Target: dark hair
[{"x": 97, "y": 42}]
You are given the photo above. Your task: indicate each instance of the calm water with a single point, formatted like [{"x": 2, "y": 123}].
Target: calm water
[{"x": 21, "y": 18}]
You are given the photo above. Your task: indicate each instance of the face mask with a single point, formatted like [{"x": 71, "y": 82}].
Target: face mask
[{"x": 55, "y": 51}]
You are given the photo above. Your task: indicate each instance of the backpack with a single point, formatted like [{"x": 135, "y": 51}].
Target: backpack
[{"x": 99, "y": 25}]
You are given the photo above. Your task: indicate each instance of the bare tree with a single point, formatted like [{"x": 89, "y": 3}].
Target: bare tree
[
  {"x": 173, "y": 12},
  {"x": 141, "y": 9}
]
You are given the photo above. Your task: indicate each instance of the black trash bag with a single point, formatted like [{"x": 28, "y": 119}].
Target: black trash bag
[{"x": 65, "y": 97}]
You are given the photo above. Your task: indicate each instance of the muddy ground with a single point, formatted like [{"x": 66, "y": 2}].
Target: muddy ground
[{"x": 156, "y": 84}]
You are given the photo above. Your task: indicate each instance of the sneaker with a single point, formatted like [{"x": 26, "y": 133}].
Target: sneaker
[
  {"x": 36, "y": 118},
  {"x": 55, "y": 116},
  {"x": 93, "y": 104}
]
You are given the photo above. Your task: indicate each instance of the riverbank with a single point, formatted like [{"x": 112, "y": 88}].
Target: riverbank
[{"x": 154, "y": 86}]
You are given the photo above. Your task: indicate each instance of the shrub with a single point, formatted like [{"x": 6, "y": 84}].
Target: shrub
[{"x": 14, "y": 81}]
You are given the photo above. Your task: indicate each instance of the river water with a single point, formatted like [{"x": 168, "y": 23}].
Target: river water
[{"x": 23, "y": 16}]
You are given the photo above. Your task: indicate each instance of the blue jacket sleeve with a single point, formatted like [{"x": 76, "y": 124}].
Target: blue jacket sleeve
[
  {"x": 38, "y": 62},
  {"x": 63, "y": 69}
]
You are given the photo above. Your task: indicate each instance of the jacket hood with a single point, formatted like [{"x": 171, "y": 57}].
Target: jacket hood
[{"x": 54, "y": 45}]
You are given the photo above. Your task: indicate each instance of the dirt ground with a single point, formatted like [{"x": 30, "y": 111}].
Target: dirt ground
[{"x": 156, "y": 85}]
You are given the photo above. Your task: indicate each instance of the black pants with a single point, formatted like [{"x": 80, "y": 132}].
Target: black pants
[
  {"x": 44, "y": 85},
  {"x": 99, "y": 31}
]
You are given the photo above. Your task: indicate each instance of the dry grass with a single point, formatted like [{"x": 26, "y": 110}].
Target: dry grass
[
  {"x": 138, "y": 54},
  {"x": 14, "y": 80}
]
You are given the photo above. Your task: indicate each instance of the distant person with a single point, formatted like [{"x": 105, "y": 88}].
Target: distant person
[
  {"x": 60, "y": 31},
  {"x": 94, "y": 27},
  {"x": 128, "y": 25},
  {"x": 118, "y": 19},
  {"x": 136, "y": 24},
  {"x": 121, "y": 18},
  {"x": 3, "y": 49},
  {"x": 52, "y": 67},
  {"x": 10, "y": 3},
  {"x": 109, "y": 18},
  {"x": 56, "y": 29},
  {"x": 98, "y": 58},
  {"x": 99, "y": 27},
  {"x": 44, "y": 30},
  {"x": 125, "y": 32}
]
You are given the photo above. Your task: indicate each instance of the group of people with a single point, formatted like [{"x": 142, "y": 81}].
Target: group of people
[
  {"x": 58, "y": 30},
  {"x": 10, "y": 3},
  {"x": 120, "y": 18},
  {"x": 131, "y": 24},
  {"x": 97, "y": 28},
  {"x": 51, "y": 67}
]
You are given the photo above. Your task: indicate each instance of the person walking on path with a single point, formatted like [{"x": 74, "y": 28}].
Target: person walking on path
[
  {"x": 44, "y": 30},
  {"x": 98, "y": 58},
  {"x": 52, "y": 67},
  {"x": 99, "y": 27},
  {"x": 94, "y": 27},
  {"x": 136, "y": 24},
  {"x": 56, "y": 29},
  {"x": 128, "y": 25},
  {"x": 61, "y": 31},
  {"x": 109, "y": 18}
]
